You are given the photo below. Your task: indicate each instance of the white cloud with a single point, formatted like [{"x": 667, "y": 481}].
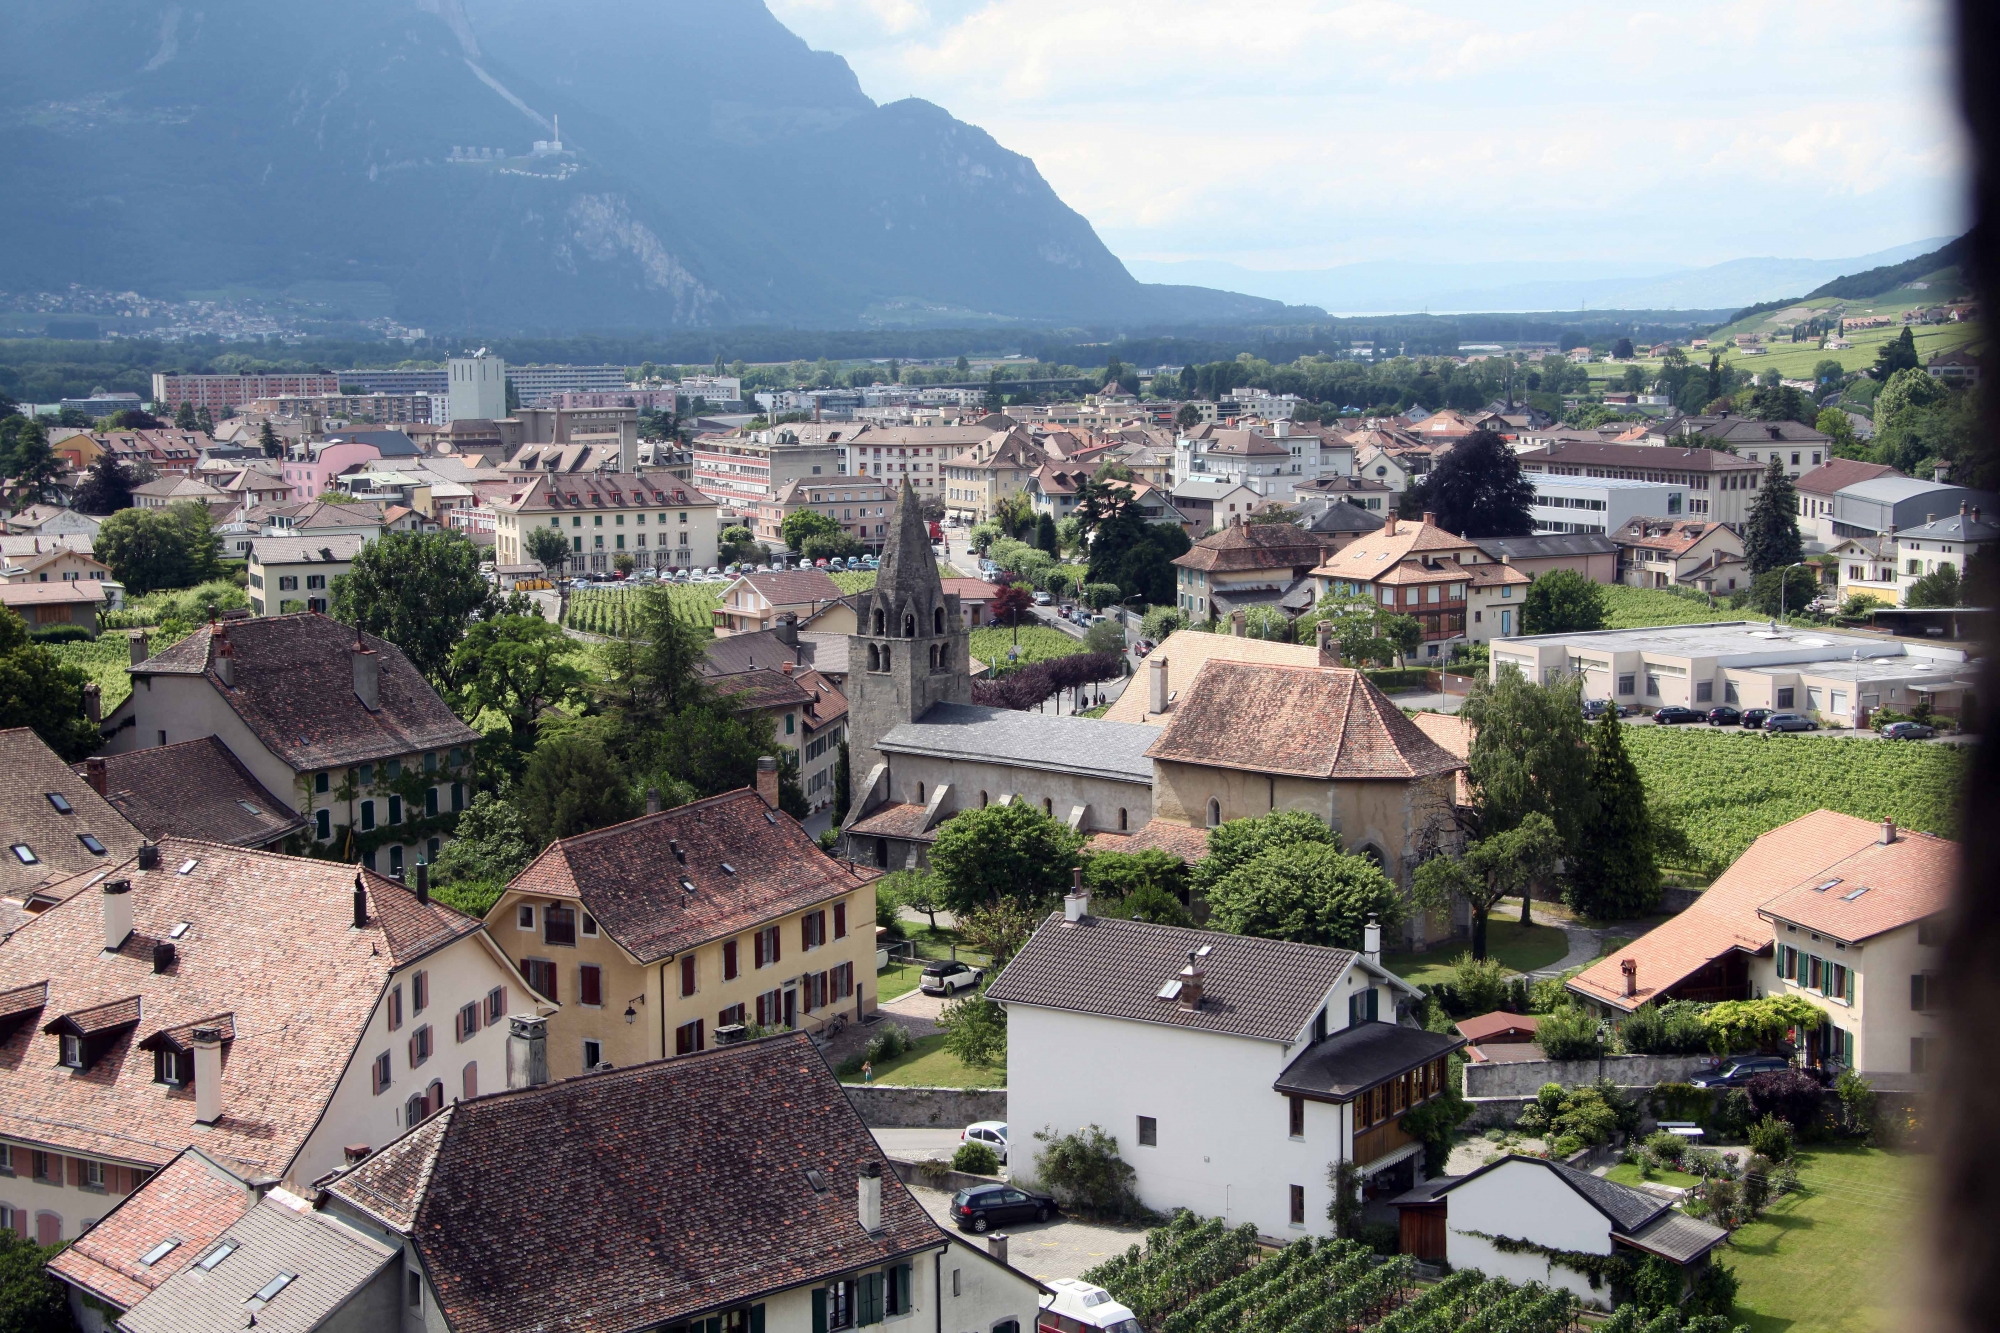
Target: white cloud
[{"x": 1300, "y": 133}]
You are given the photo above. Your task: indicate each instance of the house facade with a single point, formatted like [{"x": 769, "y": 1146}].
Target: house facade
[
  {"x": 289, "y": 574},
  {"x": 808, "y": 716},
  {"x": 1949, "y": 541},
  {"x": 1246, "y": 563},
  {"x": 659, "y": 521},
  {"x": 754, "y": 602},
  {"x": 1719, "y": 487},
  {"x": 1415, "y": 569},
  {"x": 1657, "y": 553}
]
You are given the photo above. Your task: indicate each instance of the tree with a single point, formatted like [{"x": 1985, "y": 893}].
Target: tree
[
  {"x": 572, "y": 785},
  {"x": 40, "y": 691},
  {"x": 489, "y": 846},
  {"x": 268, "y": 441},
  {"x": 184, "y": 418},
  {"x": 1560, "y": 602},
  {"x": 517, "y": 666},
  {"x": 1045, "y": 535},
  {"x": 31, "y": 1300},
  {"x": 1833, "y": 423},
  {"x": 1127, "y": 550},
  {"x": 1187, "y": 418},
  {"x": 419, "y": 590},
  {"x": 28, "y": 466},
  {"x": 1940, "y": 587},
  {"x": 1106, "y": 636},
  {"x": 1907, "y": 391},
  {"x": 739, "y": 546},
  {"x": 659, "y": 670},
  {"x": 1784, "y": 592},
  {"x": 975, "y": 1030},
  {"x": 998, "y": 931},
  {"x": 1612, "y": 873},
  {"x": 1495, "y": 866},
  {"x": 1477, "y": 490},
  {"x": 1009, "y": 852},
  {"x": 106, "y": 487},
  {"x": 803, "y": 523},
  {"x": 1771, "y": 537},
  {"x": 548, "y": 548},
  {"x": 203, "y": 422},
  {"x": 1310, "y": 893},
  {"x": 1240, "y": 841},
  {"x": 1530, "y": 756},
  {"x": 1621, "y": 350},
  {"x": 827, "y": 545},
  {"x": 918, "y": 890},
  {"x": 151, "y": 549},
  {"x": 1899, "y": 353}
]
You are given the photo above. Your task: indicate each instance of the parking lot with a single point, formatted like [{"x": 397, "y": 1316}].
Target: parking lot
[{"x": 1059, "y": 1247}]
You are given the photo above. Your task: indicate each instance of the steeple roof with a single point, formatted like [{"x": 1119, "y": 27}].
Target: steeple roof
[{"x": 908, "y": 575}]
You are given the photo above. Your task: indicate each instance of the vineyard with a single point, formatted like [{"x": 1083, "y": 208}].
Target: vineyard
[
  {"x": 851, "y": 581},
  {"x": 1720, "y": 790},
  {"x": 613, "y": 612},
  {"x": 1196, "y": 1276},
  {"x": 1038, "y": 643}
]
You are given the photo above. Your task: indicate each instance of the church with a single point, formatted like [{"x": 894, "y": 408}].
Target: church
[{"x": 1235, "y": 740}]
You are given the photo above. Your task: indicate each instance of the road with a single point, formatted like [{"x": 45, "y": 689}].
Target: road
[{"x": 916, "y": 1145}]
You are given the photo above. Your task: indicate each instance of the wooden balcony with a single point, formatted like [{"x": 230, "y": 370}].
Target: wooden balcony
[{"x": 1380, "y": 1141}]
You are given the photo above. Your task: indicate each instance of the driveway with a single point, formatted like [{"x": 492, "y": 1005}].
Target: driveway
[
  {"x": 1059, "y": 1247},
  {"x": 918, "y": 1145}
]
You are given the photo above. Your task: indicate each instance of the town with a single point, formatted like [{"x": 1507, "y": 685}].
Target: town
[{"x": 859, "y": 821}]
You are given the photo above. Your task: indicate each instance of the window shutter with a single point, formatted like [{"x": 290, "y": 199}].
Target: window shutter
[
  {"x": 1374, "y": 1004},
  {"x": 840, "y": 921},
  {"x": 729, "y": 960},
  {"x": 870, "y": 1300},
  {"x": 687, "y": 974},
  {"x": 757, "y": 948},
  {"x": 777, "y": 945},
  {"x": 757, "y": 1318},
  {"x": 819, "y": 1310}
]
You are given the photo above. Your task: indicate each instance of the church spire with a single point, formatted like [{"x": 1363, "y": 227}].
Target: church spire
[{"x": 909, "y": 569}]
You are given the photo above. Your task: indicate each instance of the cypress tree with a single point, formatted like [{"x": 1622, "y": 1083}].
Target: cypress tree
[
  {"x": 1771, "y": 537},
  {"x": 1612, "y": 871}
]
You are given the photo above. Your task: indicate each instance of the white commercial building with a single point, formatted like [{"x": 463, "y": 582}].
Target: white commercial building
[
  {"x": 477, "y": 387},
  {"x": 1600, "y": 504}
]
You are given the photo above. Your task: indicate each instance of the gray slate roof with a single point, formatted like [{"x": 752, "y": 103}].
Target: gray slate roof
[
  {"x": 1089, "y": 746},
  {"x": 1542, "y": 548},
  {"x": 1953, "y": 528},
  {"x": 1360, "y": 1057},
  {"x": 331, "y": 1263},
  {"x": 1267, "y": 990},
  {"x": 1676, "y": 1236},
  {"x": 1629, "y": 1210},
  {"x": 307, "y": 550}
]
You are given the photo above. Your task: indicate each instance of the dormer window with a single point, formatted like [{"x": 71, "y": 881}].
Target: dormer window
[{"x": 72, "y": 1052}]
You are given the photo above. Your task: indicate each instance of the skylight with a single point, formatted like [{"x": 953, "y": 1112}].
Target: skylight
[
  {"x": 187, "y": 866},
  {"x": 25, "y": 854},
  {"x": 180, "y": 929},
  {"x": 90, "y": 844},
  {"x": 59, "y": 801},
  {"x": 1850, "y": 897},
  {"x": 158, "y": 1252},
  {"x": 215, "y": 1256},
  {"x": 1822, "y": 888},
  {"x": 273, "y": 1287},
  {"x": 251, "y": 808}
]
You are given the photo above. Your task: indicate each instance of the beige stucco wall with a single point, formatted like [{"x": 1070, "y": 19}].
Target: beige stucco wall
[
  {"x": 1393, "y": 817},
  {"x": 1063, "y": 791},
  {"x": 1881, "y": 1019}
]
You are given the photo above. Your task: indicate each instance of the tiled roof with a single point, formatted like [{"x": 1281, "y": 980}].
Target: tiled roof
[
  {"x": 335, "y": 547},
  {"x": 295, "y": 691},
  {"x": 575, "y": 491},
  {"x": 1368, "y": 558},
  {"x": 196, "y": 789},
  {"x": 763, "y": 688},
  {"x": 29, "y": 771},
  {"x": 1745, "y": 431},
  {"x": 630, "y": 876},
  {"x": 794, "y": 587},
  {"x": 901, "y": 819},
  {"x": 1264, "y": 989},
  {"x": 328, "y": 1264},
  {"x": 1312, "y": 722},
  {"x": 1453, "y": 735},
  {"x": 49, "y": 594},
  {"x": 1156, "y": 835},
  {"x": 1647, "y": 457},
  {"x": 1725, "y": 916},
  {"x": 269, "y": 939},
  {"x": 1038, "y": 741},
  {"x": 1626, "y": 1209},
  {"x": 1487, "y": 1026},
  {"x": 1881, "y": 887},
  {"x": 754, "y": 649},
  {"x": 1835, "y": 473},
  {"x": 191, "y": 1202},
  {"x": 1360, "y": 1057},
  {"x": 1185, "y": 651},
  {"x": 665, "y": 1208},
  {"x": 1656, "y": 535},
  {"x": 1242, "y": 546}
]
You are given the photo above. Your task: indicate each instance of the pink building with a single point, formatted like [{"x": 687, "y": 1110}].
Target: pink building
[{"x": 311, "y": 476}]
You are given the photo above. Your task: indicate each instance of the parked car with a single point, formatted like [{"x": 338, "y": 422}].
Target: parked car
[
  {"x": 979, "y": 1207},
  {"x": 992, "y": 1133},
  {"x": 1790, "y": 722},
  {"x": 1074, "y": 1306},
  {"x": 1754, "y": 718},
  {"x": 1594, "y": 709},
  {"x": 820, "y": 563},
  {"x": 1043, "y": 599},
  {"x": 1674, "y": 714},
  {"x": 1907, "y": 731},
  {"x": 948, "y": 977},
  {"x": 1722, "y": 715},
  {"x": 1735, "y": 1073}
]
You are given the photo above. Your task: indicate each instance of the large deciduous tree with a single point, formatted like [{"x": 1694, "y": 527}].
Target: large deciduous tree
[
  {"x": 803, "y": 524},
  {"x": 517, "y": 666},
  {"x": 1493, "y": 867},
  {"x": 548, "y": 548},
  {"x": 106, "y": 487},
  {"x": 1771, "y": 537},
  {"x": 40, "y": 691},
  {"x": 151, "y": 549},
  {"x": 1562, "y": 602},
  {"x": 1476, "y": 490},
  {"x": 573, "y": 784},
  {"x": 1307, "y": 892},
  {"x": 1009, "y": 852},
  {"x": 1612, "y": 871},
  {"x": 419, "y": 590},
  {"x": 1530, "y": 755}
]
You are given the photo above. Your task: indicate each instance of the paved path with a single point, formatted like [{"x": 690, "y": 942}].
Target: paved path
[
  {"x": 1585, "y": 944},
  {"x": 918, "y": 1145},
  {"x": 1060, "y": 1247}
]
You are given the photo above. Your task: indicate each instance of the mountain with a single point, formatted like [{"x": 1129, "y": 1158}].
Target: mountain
[
  {"x": 1877, "y": 281},
  {"x": 714, "y": 171},
  {"x": 1385, "y": 287}
]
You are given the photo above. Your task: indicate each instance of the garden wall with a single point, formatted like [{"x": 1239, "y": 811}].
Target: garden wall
[
  {"x": 1525, "y": 1078},
  {"x": 1675, "y": 899},
  {"x": 885, "y": 1107}
]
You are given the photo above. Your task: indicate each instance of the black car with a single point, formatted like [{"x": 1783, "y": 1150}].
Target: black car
[
  {"x": 1723, "y": 715},
  {"x": 1673, "y": 714},
  {"x": 1754, "y": 718},
  {"x": 981, "y": 1206},
  {"x": 1735, "y": 1073}
]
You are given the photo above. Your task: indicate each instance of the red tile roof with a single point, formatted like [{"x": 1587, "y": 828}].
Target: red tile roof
[
  {"x": 1248, "y": 546},
  {"x": 1488, "y": 1026},
  {"x": 191, "y": 1201},
  {"x": 1835, "y": 473},
  {"x": 1189, "y": 844},
  {"x": 901, "y": 819},
  {"x": 763, "y": 688},
  {"x": 195, "y": 789},
  {"x": 1311, "y": 722},
  {"x": 795, "y": 587},
  {"x": 1725, "y": 917},
  {"x": 631, "y": 875},
  {"x": 689, "y": 1192},
  {"x": 1882, "y": 887}
]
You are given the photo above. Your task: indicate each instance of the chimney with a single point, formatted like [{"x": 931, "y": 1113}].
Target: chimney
[
  {"x": 1630, "y": 967},
  {"x": 868, "y": 1200},
  {"x": 1076, "y": 903},
  {"x": 367, "y": 677},
  {"x": 149, "y": 856},
  {"x": 652, "y": 800},
  {"x": 996, "y": 1246},
  {"x": 1506, "y": 558},
  {"x": 423, "y": 882},
  {"x": 1389, "y": 525},
  {"x": 1888, "y": 832},
  {"x": 1156, "y": 684},
  {"x": 786, "y": 630},
  {"x": 1329, "y": 655},
  {"x": 117, "y": 913},
  {"x": 787, "y": 667},
  {"x": 527, "y": 1051},
  {"x": 165, "y": 955},
  {"x": 767, "y": 779},
  {"x": 1237, "y": 619},
  {"x": 355, "y": 1153},
  {"x": 1191, "y": 979},
  {"x": 1371, "y": 941},
  {"x": 225, "y": 663},
  {"x": 93, "y": 706},
  {"x": 360, "y": 903},
  {"x": 136, "y": 640},
  {"x": 207, "y": 1075},
  {"x": 1940, "y": 472}
]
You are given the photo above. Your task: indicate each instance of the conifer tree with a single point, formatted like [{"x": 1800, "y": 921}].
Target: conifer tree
[
  {"x": 1771, "y": 537},
  {"x": 1612, "y": 869}
]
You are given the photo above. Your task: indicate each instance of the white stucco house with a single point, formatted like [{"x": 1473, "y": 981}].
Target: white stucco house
[{"x": 1232, "y": 1071}]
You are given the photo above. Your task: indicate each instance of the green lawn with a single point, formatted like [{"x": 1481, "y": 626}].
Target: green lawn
[
  {"x": 897, "y": 980},
  {"x": 1626, "y": 1173},
  {"x": 1518, "y": 950},
  {"x": 1835, "y": 1258},
  {"x": 927, "y": 1064}
]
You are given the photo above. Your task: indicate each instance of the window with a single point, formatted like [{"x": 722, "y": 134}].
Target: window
[
  {"x": 395, "y": 1007},
  {"x": 841, "y": 979},
  {"x": 420, "y": 1045},
  {"x": 897, "y": 1298},
  {"x": 1214, "y": 812},
  {"x": 367, "y": 815},
  {"x": 320, "y": 783},
  {"x": 593, "y": 1054},
  {"x": 1785, "y": 696},
  {"x": 541, "y": 976},
  {"x": 395, "y": 809},
  {"x": 1298, "y": 1205},
  {"x": 90, "y": 844},
  {"x": 524, "y": 917},
  {"x": 59, "y": 801},
  {"x": 687, "y": 974},
  {"x": 559, "y": 924},
  {"x": 687, "y": 1038},
  {"x": 420, "y": 992},
  {"x": 1704, "y": 691},
  {"x": 766, "y": 951},
  {"x": 1149, "y": 1132},
  {"x": 381, "y": 1073},
  {"x": 589, "y": 926},
  {"x": 467, "y": 1022},
  {"x": 323, "y": 824},
  {"x": 416, "y": 1295},
  {"x": 729, "y": 967},
  {"x": 812, "y": 929},
  {"x": 24, "y": 854},
  {"x": 496, "y": 1005},
  {"x": 1298, "y": 1116}
]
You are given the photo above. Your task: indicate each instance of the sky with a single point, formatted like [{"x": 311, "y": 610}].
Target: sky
[{"x": 1303, "y": 134}]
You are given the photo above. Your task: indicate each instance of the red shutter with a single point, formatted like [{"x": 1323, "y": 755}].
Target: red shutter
[
  {"x": 757, "y": 950},
  {"x": 687, "y": 974},
  {"x": 470, "y": 1080},
  {"x": 777, "y": 947},
  {"x": 413, "y": 1049},
  {"x": 729, "y": 960},
  {"x": 840, "y": 921}
]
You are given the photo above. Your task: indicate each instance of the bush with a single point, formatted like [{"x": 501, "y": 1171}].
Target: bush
[
  {"x": 31, "y": 1301},
  {"x": 1673, "y": 1029},
  {"x": 1857, "y": 1102},
  {"x": 1756, "y": 1185},
  {"x": 892, "y": 1042},
  {"x": 1791, "y": 1095},
  {"x": 1570, "y": 1033},
  {"x": 61, "y": 634},
  {"x": 1772, "y": 1138},
  {"x": 1481, "y": 984},
  {"x": 1085, "y": 1173},
  {"x": 1666, "y": 1149},
  {"x": 975, "y": 1031},
  {"x": 976, "y": 1159},
  {"x": 1099, "y": 595},
  {"x": 1714, "y": 1291},
  {"x": 1161, "y": 621}
]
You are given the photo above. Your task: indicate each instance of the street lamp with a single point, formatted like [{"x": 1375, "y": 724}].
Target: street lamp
[{"x": 1782, "y": 589}]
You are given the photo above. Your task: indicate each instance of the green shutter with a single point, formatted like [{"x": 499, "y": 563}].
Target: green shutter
[
  {"x": 899, "y": 1289},
  {"x": 868, "y": 1300},
  {"x": 757, "y": 1311},
  {"x": 819, "y": 1310}
]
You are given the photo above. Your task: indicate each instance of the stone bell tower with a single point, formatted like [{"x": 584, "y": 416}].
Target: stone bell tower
[{"x": 909, "y": 651}]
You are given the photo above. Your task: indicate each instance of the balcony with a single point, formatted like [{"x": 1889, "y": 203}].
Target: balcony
[{"x": 1373, "y": 1144}]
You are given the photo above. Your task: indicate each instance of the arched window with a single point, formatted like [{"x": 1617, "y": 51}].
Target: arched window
[
  {"x": 1123, "y": 823},
  {"x": 878, "y": 620},
  {"x": 920, "y": 793},
  {"x": 1373, "y": 853},
  {"x": 1048, "y": 807},
  {"x": 1214, "y": 812},
  {"x": 909, "y": 626},
  {"x": 982, "y": 800},
  {"x": 874, "y": 658},
  {"x": 885, "y": 657},
  {"x": 937, "y": 621}
]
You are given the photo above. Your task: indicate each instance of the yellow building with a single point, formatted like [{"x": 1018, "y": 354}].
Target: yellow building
[
  {"x": 657, "y": 520},
  {"x": 654, "y": 933}
]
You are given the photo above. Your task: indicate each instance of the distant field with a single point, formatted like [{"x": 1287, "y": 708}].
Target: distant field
[{"x": 104, "y": 660}]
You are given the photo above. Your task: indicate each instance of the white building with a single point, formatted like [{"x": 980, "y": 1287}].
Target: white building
[
  {"x": 1231, "y": 1070},
  {"x": 296, "y": 573},
  {"x": 1600, "y": 504},
  {"x": 1270, "y": 458},
  {"x": 477, "y": 387}
]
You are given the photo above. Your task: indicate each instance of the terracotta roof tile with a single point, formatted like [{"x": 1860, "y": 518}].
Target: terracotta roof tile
[
  {"x": 190, "y": 1201},
  {"x": 1882, "y": 887},
  {"x": 1189, "y": 844},
  {"x": 630, "y": 876},
  {"x": 1453, "y": 735},
  {"x": 29, "y": 771},
  {"x": 763, "y": 688},
  {"x": 903, "y": 819},
  {"x": 1185, "y": 651},
  {"x": 196, "y": 789},
  {"x": 666, "y": 1207},
  {"x": 1315, "y": 722},
  {"x": 1243, "y": 546},
  {"x": 794, "y": 587}
]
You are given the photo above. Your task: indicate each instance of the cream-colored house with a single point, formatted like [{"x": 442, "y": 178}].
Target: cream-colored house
[
  {"x": 1868, "y": 569},
  {"x": 289, "y": 574},
  {"x": 52, "y": 563},
  {"x": 656, "y": 933},
  {"x": 651, "y": 516},
  {"x": 755, "y": 601}
]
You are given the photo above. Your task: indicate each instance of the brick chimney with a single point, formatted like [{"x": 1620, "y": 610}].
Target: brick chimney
[
  {"x": 1191, "y": 981},
  {"x": 1888, "y": 832},
  {"x": 207, "y": 1075},
  {"x": 1389, "y": 525},
  {"x": 1630, "y": 968},
  {"x": 767, "y": 780},
  {"x": 1430, "y": 519},
  {"x": 996, "y": 1246}
]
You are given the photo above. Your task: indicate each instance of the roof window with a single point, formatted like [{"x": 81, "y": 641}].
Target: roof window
[
  {"x": 1856, "y": 893},
  {"x": 1822, "y": 888},
  {"x": 180, "y": 929},
  {"x": 215, "y": 1256},
  {"x": 188, "y": 865},
  {"x": 90, "y": 844},
  {"x": 25, "y": 854},
  {"x": 728, "y": 869},
  {"x": 273, "y": 1287},
  {"x": 59, "y": 801},
  {"x": 251, "y": 808},
  {"x": 158, "y": 1252}
]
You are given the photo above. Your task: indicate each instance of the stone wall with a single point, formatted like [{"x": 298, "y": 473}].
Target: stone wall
[
  {"x": 885, "y": 1107},
  {"x": 1525, "y": 1078},
  {"x": 1675, "y": 899}
]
